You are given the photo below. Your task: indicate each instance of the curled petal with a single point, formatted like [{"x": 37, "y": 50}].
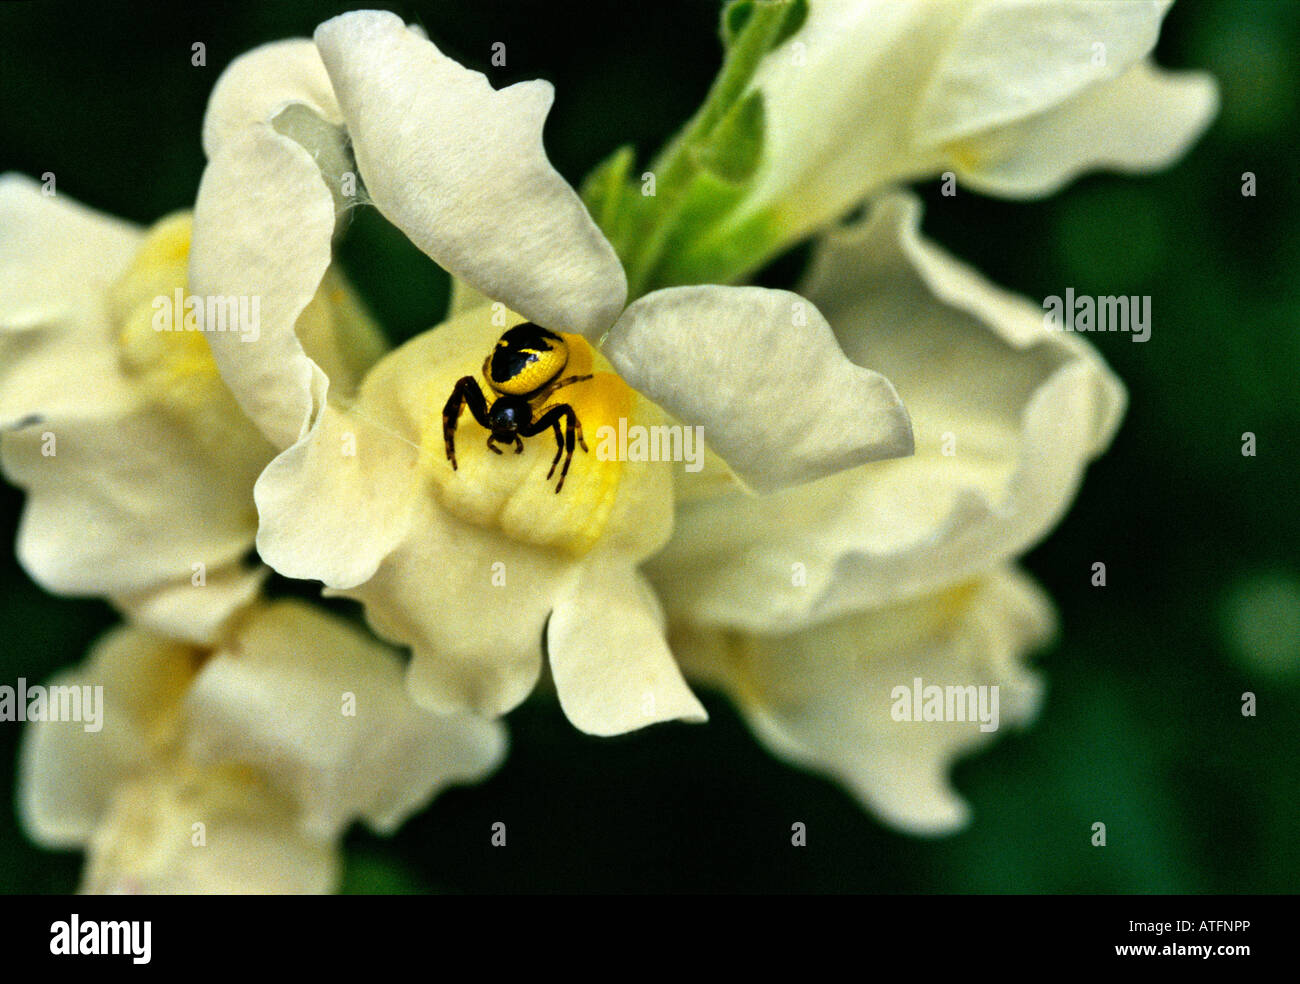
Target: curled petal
[
  {"x": 460, "y": 168},
  {"x": 333, "y": 506},
  {"x": 476, "y": 639},
  {"x": 837, "y": 698},
  {"x": 58, "y": 346},
  {"x": 760, "y": 370},
  {"x": 259, "y": 84},
  {"x": 320, "y": 709},
  {"x": 1010, "y": 59},
  {"x": 1007, "y": 415},
  {"x": 612, "y": 668},
  {"x": 69, "y": 769},
  {"x": 262, "y": 228},
  {"x": 1141, "y": 121}
]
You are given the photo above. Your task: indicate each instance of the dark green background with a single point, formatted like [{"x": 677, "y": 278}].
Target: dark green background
[{"x": 1142, "y": 728}]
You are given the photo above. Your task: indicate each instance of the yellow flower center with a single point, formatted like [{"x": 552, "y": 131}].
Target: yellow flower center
[
  {"x": 158, "y": 332},
  {"x": 512, "y": 490},
  {"x": 607, "y": 496}
]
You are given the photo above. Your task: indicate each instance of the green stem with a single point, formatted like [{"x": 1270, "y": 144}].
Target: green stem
[{"x": 675, "y": 165}]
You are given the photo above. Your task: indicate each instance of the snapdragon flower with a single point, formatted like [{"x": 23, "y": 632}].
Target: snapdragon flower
[
  {"x": 1010, "y": 98},
  {"x": 137, "y": 462},
  {"x": 481, "y": 568},
  {"x": 235, "y": 767},
  {"x": 809, "y": 606}
]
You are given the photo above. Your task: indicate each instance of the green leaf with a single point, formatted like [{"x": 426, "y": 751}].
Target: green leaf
[
  {"x": 603, "y": 189},
  {"x": 737, "y": 13},
  {"x": 706, "y": 245},
  {"x": 735, "y": 16},
  {"x": 793, "y": 21},
  {"x": 705, "y": 251},
  {"x": 736, "y": 146},
  {"x": 613, "y": 196},
  {"x": 701, "y": 173}
]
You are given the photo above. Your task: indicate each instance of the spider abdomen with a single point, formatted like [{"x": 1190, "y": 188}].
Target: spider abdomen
[{"x": 525, "y": 359}]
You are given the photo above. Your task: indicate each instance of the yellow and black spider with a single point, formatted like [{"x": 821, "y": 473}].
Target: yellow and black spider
[{"x": 523, "y": 370}]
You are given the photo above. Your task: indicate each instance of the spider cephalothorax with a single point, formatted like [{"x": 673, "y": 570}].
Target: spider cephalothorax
[{"x": 523, "y": 370}]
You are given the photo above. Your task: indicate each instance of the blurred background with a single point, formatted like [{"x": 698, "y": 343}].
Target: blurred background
[{"x": 1142, "y": 727}]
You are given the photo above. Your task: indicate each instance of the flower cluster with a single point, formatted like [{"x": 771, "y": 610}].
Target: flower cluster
[{"x": 881, "y": 445}]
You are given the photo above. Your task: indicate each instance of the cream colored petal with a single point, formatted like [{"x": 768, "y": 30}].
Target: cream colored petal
[
  {"x": 461, "y": 565},
  {"x": 1022, "y": 410},
  {"x": 213, "y": 833},
  {"x": 136, "y": 461},
  {"x": 259, "y": 84},
  {"x": 870, "y": 94},
  {"x": 839, "y": 100},
  {"x": 262, "y": 228},
  {"x": 826, "y": 698},
  {"x": 1009, "y": 59},
  {"x": 190, "y": 611},
  {"x": 612, "y": 667},
  {"x": 475, "y": 628},
  {"x": 333, "y": 506},
  {"x": 338, "y": 334},
  {"x": 460, "y": 168},
  {"x": 760, "y": 370},
  {"x": 1141, "y": 121},
  {"x": 263, "y": 224},
  {"x": 320, "y": 709},
  {"x": 127, "y": 504},
  {"x": 464, "y": 298},
  {"x": 69, "y": 774},
  {"x": 57, "y": 347}
]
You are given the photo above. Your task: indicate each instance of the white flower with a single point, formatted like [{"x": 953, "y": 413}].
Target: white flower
[
  {"x": 1007, "y": 414},
  {"x": 237, "y": 767},
  {"x": 809, "y": 606},
  {"x": 137, "y": 462},
  {"x": 1015, "y": 97},
  {"x": 826, "y": 697},
  {"x": 481, "y": 567}
]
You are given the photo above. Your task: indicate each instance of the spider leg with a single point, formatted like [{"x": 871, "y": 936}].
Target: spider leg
[
  {"x": 492, "y": 447},
  {"x": 572, "y": 429},
  {"x": 543, "y": 394},
  {"x": 519, "y": 444},
  {"x": 568, "y": 449},
  {"x": 465, "y": 392},
  {"x": 559, "y": 449}
]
